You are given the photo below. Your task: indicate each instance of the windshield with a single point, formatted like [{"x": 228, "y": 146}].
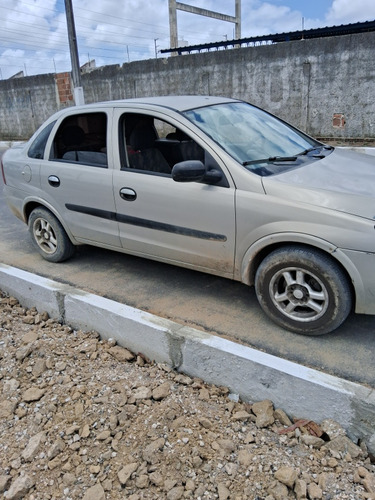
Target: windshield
[{"x": 251, "y": 136}]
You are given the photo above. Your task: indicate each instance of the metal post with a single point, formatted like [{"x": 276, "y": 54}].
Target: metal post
[
  {"x": 76, "y": 72},
  {"x": 156, "y": 48}
]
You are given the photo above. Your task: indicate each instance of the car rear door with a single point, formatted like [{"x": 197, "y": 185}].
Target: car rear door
[{"x": 77, "y": 178}]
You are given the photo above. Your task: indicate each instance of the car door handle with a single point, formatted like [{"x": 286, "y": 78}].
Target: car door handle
[
  {"x": 128, "y": 194},
  {"x": 54, "y": 181}
]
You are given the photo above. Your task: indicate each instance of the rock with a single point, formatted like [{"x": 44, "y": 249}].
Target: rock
[
  {"x": 169, "y": 484},
  {"x": 60, "y": 366},
  {"x": 264, "y": 413},
  {"x": 30, "y": 337},
  {"x": 241, "y": 416},
  {"x": 367, "y": 479},
  {"x": 84, "y": 431},
  {"x": 121, "y": 354},
  {"x": 7, "y": 408},
  {"x": 332, "y": 428},
  {"x": 223, "y": 491},
  {"x": 29, "y": 320},
  {"x": 183, "y": 379},
  {"x": 69, "y": 479},
  {"x": 32, "y": 394},
  {"x": 342, "y": 445},
  {"x": 205, "y": 422},
  {"x": 142, "y": 393},
  {"x": 95, "y": 493},
  {"x": 227, "y": 445},
  {"x": 32, "y": 448},
  {"x": 287, "y": 476},
  {"x": 300, "y": 489},
  {"x": 314, "y": 492},
  {"x": 150, "y": 452},
  {"x": 161, "y": 392},
  {"x": 20, "y": 487},
  {"x": 278, "y": 490},
  {"x": 156, "y": 478},
  {"x": 125, "y": 473},
  {"x": 204, "y": 394},
  {"x": 175, "y": 493},
  {"x": 24, "y": 352},
  {"x": 313, "y": 441},
  {"x": 4, "y": 482},
  {"x": 39, "y": 367},
  {"x": 282, "y": 417},
  {"x": 190, "y": 485},
  {"x": 10, "y": 386},
  {"x": 142, "y": 481},
  {"x": 102, "y": 436},
  {"x": 57, "y": 447},
  {"x": 245, "y": 458}
]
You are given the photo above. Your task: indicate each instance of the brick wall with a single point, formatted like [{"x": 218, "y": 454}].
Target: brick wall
[{"x": 64, "y": 87}]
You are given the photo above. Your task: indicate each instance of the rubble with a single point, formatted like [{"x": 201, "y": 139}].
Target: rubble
[{"x": 83, "y": 418}]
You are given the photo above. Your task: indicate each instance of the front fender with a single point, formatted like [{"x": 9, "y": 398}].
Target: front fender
[
  {"x": 268, "y": 243},
  {"x": 359, "y": 266}
]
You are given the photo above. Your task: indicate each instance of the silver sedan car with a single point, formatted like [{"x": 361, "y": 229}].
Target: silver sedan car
[{"x": 211, "y": 184}]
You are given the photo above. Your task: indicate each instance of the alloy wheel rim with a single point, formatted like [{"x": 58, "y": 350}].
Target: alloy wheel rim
[
  {"x": 45, "y": 236},
  {"x": 299, "y": 294}
]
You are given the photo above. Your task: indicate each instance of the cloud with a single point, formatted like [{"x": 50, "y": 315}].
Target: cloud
[{"x": 347, "y": 11}]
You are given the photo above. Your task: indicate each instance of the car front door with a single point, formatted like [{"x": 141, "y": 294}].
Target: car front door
[
  {"x": 190, "y": 224},
  {"x": 77, "y": 178}
]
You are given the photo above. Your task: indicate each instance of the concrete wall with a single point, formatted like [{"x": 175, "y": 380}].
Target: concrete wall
[{"x": 324, "y": 86}]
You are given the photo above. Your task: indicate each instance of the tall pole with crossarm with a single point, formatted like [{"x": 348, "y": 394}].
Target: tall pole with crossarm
[
  {"x": 76, "y": 72},
  {"x": 174, "y": 6}
]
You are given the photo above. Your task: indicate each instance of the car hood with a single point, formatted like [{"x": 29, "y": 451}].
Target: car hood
[{"x": 344, "y": 181}]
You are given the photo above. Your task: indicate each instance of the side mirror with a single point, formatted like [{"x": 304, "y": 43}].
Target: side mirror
[{"x": 189, "y": 171}]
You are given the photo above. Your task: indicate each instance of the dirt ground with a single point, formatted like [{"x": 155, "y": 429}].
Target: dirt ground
[{"x": 82, "y": 418}]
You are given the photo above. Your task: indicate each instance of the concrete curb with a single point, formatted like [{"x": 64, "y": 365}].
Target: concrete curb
[{"x": 252, "y": 374}]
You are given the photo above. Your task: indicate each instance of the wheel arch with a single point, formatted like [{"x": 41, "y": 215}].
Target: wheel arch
[
  {"x": 263, "y": 247},
  {"x": 31, "y": 205}
]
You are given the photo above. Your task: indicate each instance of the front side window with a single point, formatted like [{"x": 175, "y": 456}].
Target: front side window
[
  {"x": 82, "y": 139},
  {"x": 151, "y": 145},
  {"x": 38, "y": 146}
]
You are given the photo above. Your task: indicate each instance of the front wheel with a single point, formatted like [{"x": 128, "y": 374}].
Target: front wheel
[
  {"x": 303, "y": 290},
  {"x": 49, "y": 236}
]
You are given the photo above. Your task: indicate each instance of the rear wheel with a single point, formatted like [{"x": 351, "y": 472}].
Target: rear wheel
[
  {"x": 49, "y": 236},
  {"x": 303, "y": 290}
]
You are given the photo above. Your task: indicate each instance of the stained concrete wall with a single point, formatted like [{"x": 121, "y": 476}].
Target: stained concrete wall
[{"x": 324, "y": 86}]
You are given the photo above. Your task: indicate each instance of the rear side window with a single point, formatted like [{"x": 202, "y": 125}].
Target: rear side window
[
  {"x": 82, "y": 139},
  {"x": 38, "y": 146}
]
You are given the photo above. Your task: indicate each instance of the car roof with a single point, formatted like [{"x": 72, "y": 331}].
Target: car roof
[{"x": 177, "y": 103}]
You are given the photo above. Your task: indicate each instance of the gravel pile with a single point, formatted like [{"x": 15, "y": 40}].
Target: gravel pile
[{"x": 83, "y": 418}]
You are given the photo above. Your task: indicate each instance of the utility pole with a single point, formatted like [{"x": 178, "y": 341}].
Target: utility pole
[{"x": 76, "y": 72}]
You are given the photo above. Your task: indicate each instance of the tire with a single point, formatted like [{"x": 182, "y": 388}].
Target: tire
[
  {"x": 49, "y": 237},
  {"x": 303, "y": 290}
]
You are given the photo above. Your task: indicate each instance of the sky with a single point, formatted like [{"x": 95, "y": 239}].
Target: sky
[{"x": 34, "y": 40}]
